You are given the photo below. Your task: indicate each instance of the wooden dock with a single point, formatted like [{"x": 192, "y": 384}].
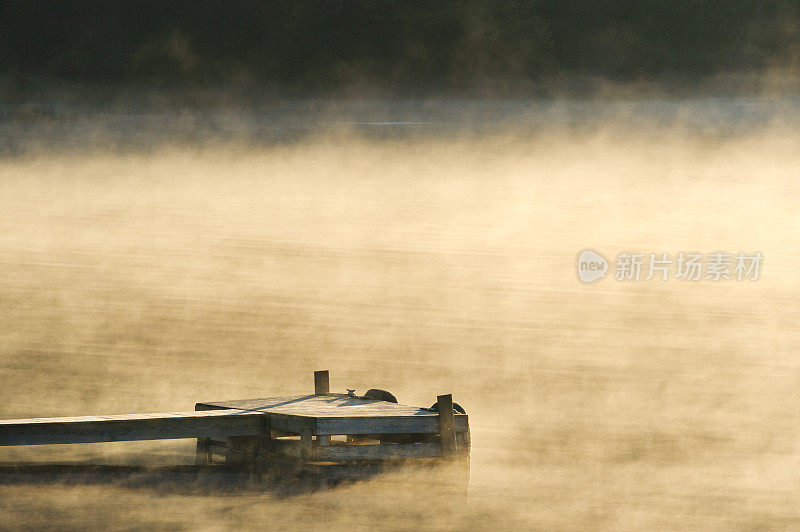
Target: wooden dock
[
  {"x": 129, "y": 427},
  {"x": 322, "y": 427}
]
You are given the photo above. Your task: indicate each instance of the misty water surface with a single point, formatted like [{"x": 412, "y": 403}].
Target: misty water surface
[{"x": 143, "y": 270}]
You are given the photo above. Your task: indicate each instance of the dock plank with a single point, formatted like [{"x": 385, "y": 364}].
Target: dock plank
[
  {"x": 130, "y": 427},
  {"x": 335, "y": 453},
  {"x": 332, "y": 414},
  {"x": 318, "y": 415}
]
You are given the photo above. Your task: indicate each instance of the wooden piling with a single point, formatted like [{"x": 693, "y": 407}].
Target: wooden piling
[
  {"x": 306, "y": 443},
  {"x": 203, "y": 452},
  {"x": 447, "y": 426},
  {"x": 321, "y": 382},
  {"x": 265, "y": 433}
]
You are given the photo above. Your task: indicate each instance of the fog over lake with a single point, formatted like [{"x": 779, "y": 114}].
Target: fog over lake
[{"x": 154, "y": 257}]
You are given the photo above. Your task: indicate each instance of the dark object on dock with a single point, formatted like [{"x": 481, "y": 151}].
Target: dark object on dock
[
  {"x": 456, "y": 407},
  {"x": 380, "y": 395},
  {"x": 323, "y": 429}
]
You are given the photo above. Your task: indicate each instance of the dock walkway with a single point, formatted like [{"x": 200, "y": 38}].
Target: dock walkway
[{"x": 299, "y": 426}]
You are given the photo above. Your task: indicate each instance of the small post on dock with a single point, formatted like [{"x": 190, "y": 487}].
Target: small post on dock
[
  {"x": 322, "y": 382},
  {"x": 447, "y": 426},
  {"x": 322, "y": 385}
]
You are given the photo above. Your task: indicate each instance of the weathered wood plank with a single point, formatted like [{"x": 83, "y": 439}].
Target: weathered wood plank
[
  {"x": 341, "y": 414},
  {"x": 286, "y": 423},
  {"x": 343, "y": 453},
  {"x": 291, "y": 424},
  {"x": 375, "y": 452},
  {"x": 329, "y": 405},
  {"x": 130, "y": 427},
  {"x": 385, "y": 425}
]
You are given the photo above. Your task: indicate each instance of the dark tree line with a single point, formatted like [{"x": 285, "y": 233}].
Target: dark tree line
[{"x": 327, "y": 43}]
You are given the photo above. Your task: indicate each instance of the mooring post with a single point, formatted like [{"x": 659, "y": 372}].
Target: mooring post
[
  {"x": 322, "y": 385},
  {"x": 447, "y": 426},
  {"x": 321, "y": 382}
]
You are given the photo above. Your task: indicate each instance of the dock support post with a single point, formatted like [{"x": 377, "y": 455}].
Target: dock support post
[
  {"x": 447, "y": 426},
  {"x": 307, "y": 443},
  {"x": 321, "y": 382},
  {"x": 203, "y": 452},
  {"x": 267, "y": 444}
]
